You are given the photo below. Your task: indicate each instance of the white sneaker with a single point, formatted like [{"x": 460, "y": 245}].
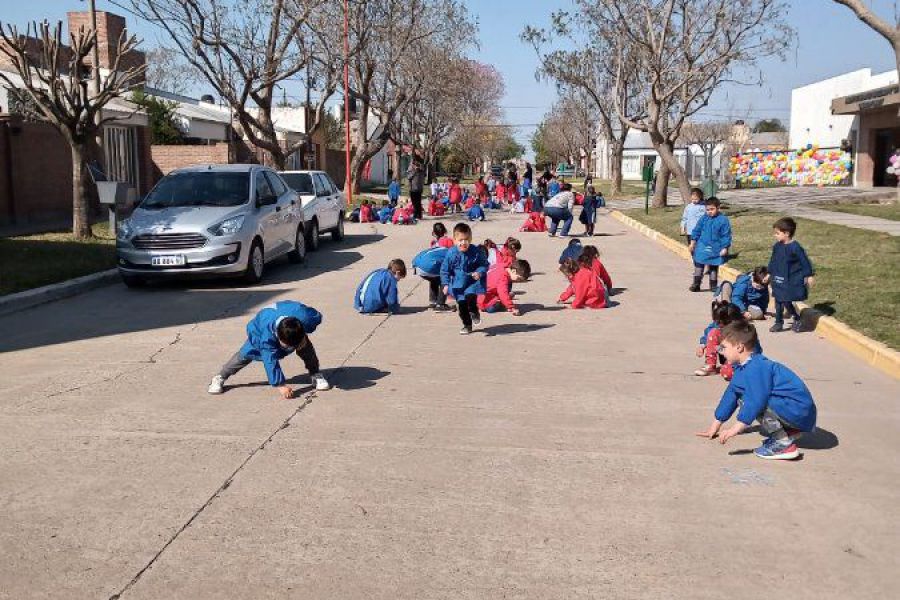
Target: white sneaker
[
  {"x": 217, "y": 386},
  {"x": 321, "y": 383}
]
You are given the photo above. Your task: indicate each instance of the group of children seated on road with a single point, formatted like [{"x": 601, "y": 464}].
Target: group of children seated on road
[
  {"x": 762, "y": 389},
  {"x": 480, "y": 279}
]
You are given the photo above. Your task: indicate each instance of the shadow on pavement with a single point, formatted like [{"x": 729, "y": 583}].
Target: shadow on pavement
[
  {"x": 527, "y": 308},
  {"x": 116, "y": 310},
  {"x": 820, "y": 439},
  {"x": 511, "y": 328},
  {"x": 358, "y": 378}
]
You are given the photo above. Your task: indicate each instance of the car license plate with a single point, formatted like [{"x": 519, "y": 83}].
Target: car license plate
[{"x": 167, "y": 261}]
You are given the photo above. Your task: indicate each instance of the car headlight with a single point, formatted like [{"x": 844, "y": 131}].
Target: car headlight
[
  {"x": 124, "y": 230},
  {"x": 228, "y": 226}
]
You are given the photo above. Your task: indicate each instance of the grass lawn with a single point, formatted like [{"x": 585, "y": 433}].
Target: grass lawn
[
  {"x": 884, "y": 211},
  {"x": 34, "y": 260},
  {"x": 857, "y": 271}
]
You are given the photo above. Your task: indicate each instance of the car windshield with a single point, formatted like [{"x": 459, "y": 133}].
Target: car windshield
[
  {"x": 299, "y": 182},
  {"x": 200, "y": 188}
]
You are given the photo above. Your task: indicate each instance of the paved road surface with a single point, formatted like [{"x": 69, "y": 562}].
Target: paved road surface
[{"x": 546, "y": 456}]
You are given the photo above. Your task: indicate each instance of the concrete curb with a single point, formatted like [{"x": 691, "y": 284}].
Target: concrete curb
[
  {"x": 873, "y": 352},
  {"x": 56, "y": 291}
]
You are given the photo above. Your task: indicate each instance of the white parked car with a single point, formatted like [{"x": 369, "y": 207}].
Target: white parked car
[{"x": 324, "y": 205}]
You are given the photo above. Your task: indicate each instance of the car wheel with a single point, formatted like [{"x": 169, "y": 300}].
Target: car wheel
[
  {"x": 133, "y": 281},
  {"x": 312, "y": 242},
  {"x": 256, "y": 263},
  {"x": 298, "y": 254},
  {"x": 337, "y": 234}
]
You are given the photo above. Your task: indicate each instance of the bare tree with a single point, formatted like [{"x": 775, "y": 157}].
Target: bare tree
[
  {"x": 888, "y": 31},
  {"x": 57, "y": 92},
  {"x": 386, "y": 68},
  {"x": 591, "y": 68},
  {"x": 168, "y": 71},
  {"x": 244, "y": 50},
  {"x": 708, "y": 136},
  {"x": 683, "y": 50}
]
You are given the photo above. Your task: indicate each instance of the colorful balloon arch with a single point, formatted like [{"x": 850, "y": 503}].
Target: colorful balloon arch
[{"x": 808, "y": 166}]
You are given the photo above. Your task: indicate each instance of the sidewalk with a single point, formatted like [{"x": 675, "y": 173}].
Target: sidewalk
[
  {"x": 795, "y": 202},
  {"x": 546, "y": 456}
]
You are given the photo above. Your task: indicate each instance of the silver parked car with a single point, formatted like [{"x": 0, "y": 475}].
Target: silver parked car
[
  {"x": 323, "y": 204},
  {"x": 211, "y": 220}
]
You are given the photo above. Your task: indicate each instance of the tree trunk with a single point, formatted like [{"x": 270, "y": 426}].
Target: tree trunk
[
  {"x": 667, "y": 153},
  {"x": 661, "y": 195},
  {"x": 81, "y": 222},
  {"x": 616, "y": 150}
]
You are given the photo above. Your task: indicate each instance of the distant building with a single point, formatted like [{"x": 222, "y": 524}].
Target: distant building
[{"x": 858, "y": 110}]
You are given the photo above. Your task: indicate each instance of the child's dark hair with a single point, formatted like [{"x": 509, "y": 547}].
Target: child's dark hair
[
  {"x": 365, "y": 203},
  {"x": 567, "y": 187},
  {"x": 591, "y": 190},
  {"x": 741, "y": 332},
  {"x": 513, "y": 244},
  {"x": 713, "y": 201},
  {"x": 384, "y": 202},
  {"x": 569, "y": 267},
  {"x": 724, "y": 313},
  {"x": 439, "y": 230},
  {"x": 786, "y": 225},
  {"x": 697, "y": 191},
  {"x": 574, "y": 242},
  {"x": 590, "y": 252},
  {"x": 522, "y": 268},
  {"x": 290, "y": 332},
  {"x": 398, "y": 267},
  {"x": 760, "y": 274},
  {"x": 462, "y": 228}
]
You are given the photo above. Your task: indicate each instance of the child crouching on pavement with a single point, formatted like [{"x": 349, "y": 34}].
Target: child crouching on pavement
[
  {"x": 499, "y": 285},
  {"x": 378, "y": 291},
  {"x": 723, "y": 313},
  {"x": 749, "y": 292},
  {"x": 275, "y": 332},
  {"x": 427, "y": 265},
  {"x": 586, "y": 287},
  {"x": 463, "y": 274},
  {"x": 762, "y": 390}
]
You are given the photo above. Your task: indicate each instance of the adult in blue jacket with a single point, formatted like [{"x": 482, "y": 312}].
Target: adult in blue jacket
[
  {"x": 377, "y": 292},
  {"x": 427, "y": 265},
  {"x": 275, "y": 332},
  {"x": 765, "y": 391},
  {"x": 710, "y": 242}
]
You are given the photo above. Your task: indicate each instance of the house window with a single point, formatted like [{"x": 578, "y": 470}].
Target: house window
[
  {"x": 631, "y": 166},
  {"x": 120, "y": 146}
]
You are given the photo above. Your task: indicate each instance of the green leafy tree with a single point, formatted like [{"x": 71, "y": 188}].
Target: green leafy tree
[
  {"x": 163, "y": 128},
  {"x": 769, "y": 126}
]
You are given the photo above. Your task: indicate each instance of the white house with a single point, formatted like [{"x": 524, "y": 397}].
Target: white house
[
  {"x": 200, "y": 120},
  {"x": 639, "y": 149},
  {"x": 812, "y": 121}
]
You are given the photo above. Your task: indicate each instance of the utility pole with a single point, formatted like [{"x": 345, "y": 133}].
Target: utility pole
[{"x": 348, "y": 185}]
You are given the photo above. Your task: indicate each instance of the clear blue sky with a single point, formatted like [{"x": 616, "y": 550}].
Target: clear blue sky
[{"x": 830, "y": 41}]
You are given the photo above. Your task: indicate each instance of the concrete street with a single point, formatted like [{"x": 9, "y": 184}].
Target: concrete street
[{"x": 548, "y": 456}]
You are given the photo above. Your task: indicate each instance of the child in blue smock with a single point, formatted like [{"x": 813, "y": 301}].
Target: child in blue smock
[
  {"x": 765, "y": 391},
  {"x": 592, "y": 201},
  {"x": 476, "y": 213},
  {"x": 463, "y": 275},
  {"x": 790, "y": 274},
  {"x": 692, "y": 213},
  {"x": 385, "y": 213},
  {"x": 427, "y": 265},
  {"x": 749, "y": 292},
  {"x": 378, "y": 290},
  {"x": 710, "y": 242},
  {"x": 394, "y": 192},
  {"x": 275, "y": 332}
]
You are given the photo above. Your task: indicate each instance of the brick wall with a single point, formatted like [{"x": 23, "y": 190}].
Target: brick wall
[
  {"x": 35, "y": 174},
  {"x": 168, "y": 158},
  {"x": 110, "y": 27}
]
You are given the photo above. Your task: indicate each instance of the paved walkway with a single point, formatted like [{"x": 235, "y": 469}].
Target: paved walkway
[
  {"x": 546, "y": 456},
  {"x": 797, "y": 202}
]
